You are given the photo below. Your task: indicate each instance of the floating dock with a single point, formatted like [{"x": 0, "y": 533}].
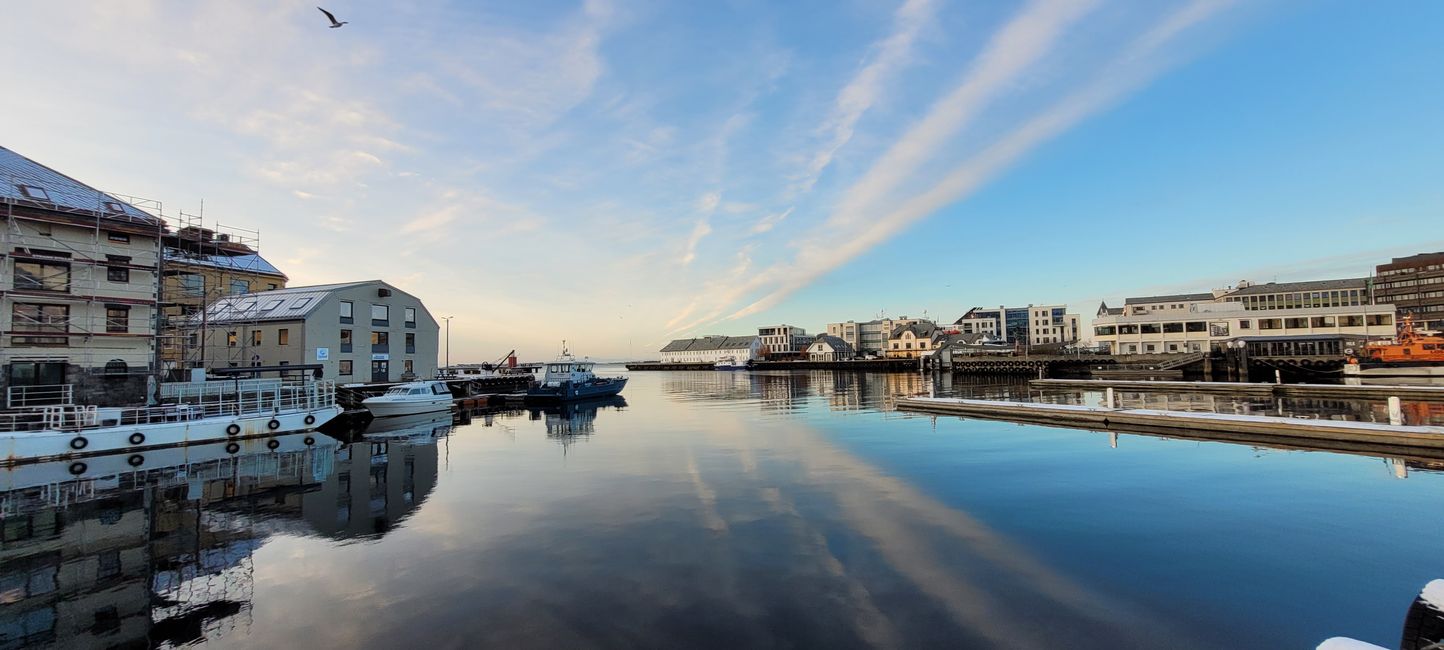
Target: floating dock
[
  {"x": 1189, "y": 424},
  {"x": 1331, "y": 391}
]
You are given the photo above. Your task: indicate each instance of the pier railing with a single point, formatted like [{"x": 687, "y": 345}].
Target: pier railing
[{"x": 183, "y": 402}]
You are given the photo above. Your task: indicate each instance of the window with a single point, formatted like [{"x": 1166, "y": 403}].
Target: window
[
  {"x": 345, "y": 311},
  {"x": 118, "y": 237},
  {"x": 271, "y": 304},
  {"x": 1296, "y": 323},
  {"x": 1173, "y": 328},
  {"x": 240, "y": 286},
  {"x": 230, "y": 339},
  {"x": 1196, "y": 326},
  {"x": 1149, "y": 348},
  {"x": 36, "y": 275},
  {"x": 117, "y": 318},
  {"x": 407, "y": 366},
  {"x": 1127, "y": 329},
  {"x": 255, "y": 337},
  {"x": 283, "y": 336},
  {"x": 410, "y": 343},
  {"x": 1150, "y": 328},
  {"x": 301, "y": 304},
  {"x": 271, "y": 286},
  {"x": 1351, "y": 321},
  {"x": 1105, "y": 330},
  {"x": 193, "y": 285},
  {"x": 380, "y": 342},
  {"x": 380, "y": 315},
  {"x": 345, "y": 340},
  {"x": 1379, "y": 319},
  {"x": 1244, "y": 324},
  {"x": 109, "y": 564},
  {"x": 34, "y": 192},
  {"x": 39, "y": 319},
  {"x": 344, "y": 368},
  {"x": 1322, "y": 321},
  {"x": 411, "y": 317},
  {"x": 1270, "y": 323}
]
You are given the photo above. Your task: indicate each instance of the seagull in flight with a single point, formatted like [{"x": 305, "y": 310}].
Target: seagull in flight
[{"x": 334, "y": 23}]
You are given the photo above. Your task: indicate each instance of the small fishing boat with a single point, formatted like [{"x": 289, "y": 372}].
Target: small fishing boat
[
  {"x": 410, "y": 399},
  {"x": 568, "y": 379},
  {"x": 730, "y": 363},
  {"x": 1414, "y": 353}
]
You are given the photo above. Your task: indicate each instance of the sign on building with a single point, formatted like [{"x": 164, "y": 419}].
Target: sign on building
[{"x": 323, "y": 354}]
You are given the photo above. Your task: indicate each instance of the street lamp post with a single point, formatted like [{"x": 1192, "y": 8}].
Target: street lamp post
[{"x": 448, "y": 340}]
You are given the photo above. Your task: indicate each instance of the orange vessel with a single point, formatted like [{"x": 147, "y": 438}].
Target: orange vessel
[{"x": 1413, "y": 354}]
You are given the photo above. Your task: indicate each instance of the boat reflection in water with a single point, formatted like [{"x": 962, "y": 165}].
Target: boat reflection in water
[
  {"x": 160, "y": 553},
  {"x": 571, "y": 421}
]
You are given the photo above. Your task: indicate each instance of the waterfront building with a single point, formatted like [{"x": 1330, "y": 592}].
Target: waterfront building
[
  {"x": 783, "y": 341},
  {"x": 1200, "y": 322},
  {"x": 1414, "y": 285},
  {"x": 201, "y": 266},
  {"x": 909, "y": 341},
  {"x": 78, "y": 283},
  {"x": 711, "y": 349},
  {"x": 1031, "y": 325},
  {"x": 829, "y": 348},
  {"x": 366, "y": 331},
  {"x": 869, "y": 338}
]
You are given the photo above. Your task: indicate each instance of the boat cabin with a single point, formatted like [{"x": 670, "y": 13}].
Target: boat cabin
[
  {"x": 563, "y": 370},
  {"x": 420, "y": 388}
]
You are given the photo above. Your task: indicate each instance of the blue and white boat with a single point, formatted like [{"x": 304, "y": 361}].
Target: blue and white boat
[{"x": 568, "y": 379}]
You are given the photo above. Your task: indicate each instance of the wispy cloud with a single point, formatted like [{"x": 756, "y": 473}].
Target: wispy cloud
[
  {"x": 1139, "y": 62},
  {"x": 864, "y": 90}
]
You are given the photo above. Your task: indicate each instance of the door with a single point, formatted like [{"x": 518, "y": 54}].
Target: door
[{"x": 380, "y": 371}]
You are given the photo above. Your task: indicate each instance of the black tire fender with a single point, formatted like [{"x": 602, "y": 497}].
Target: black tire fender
[
  {"x": 233, "y": 429},
  {"x": 273, "y": 443},
  {"x": 135, "y": 460},
  {"x": 273, "y": 424},
  {"x": 79, "y": 442},
  {"x": 310, "y": 419},
  {"x": 232, "y": 447},
  {"x": 78, "y": 468},
  {"x": 309, "y": 441},
  {"x": 137, "y": 438}
]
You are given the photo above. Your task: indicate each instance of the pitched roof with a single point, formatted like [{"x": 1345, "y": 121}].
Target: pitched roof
[
  {"x": 1177, "y": 297},
  {"x": 920, "y": 329},
  {"x": 1311, "y": 285},
  {"x": 710, "y": 343},
  {"x": 252, "y": 263},
  {"x": 26, "y": 182},
  {"x": 834, "y": 342},
  {"x": 291, "y": 303}
]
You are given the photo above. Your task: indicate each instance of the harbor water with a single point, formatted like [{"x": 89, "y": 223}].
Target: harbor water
[{"x": 711, "y": 509}]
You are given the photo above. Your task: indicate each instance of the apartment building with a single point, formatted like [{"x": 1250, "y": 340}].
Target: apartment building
[
  {"x": 1414, "y": 285},
  {"x": 78, "y": 283},
  {"x": 358, "y": 331},
  {"x": 1199, "y": 322},
  {"x": 783, "y": 340},
  {"x": 869, "y": 338},
  {"x": 1030, "y": 325},
  {"x": 909, "y": 341}
]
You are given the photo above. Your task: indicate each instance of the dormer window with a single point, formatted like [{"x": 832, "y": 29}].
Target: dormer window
[
  {"x": 112, "y": 206},
  {"x": 34, "y": 192}
]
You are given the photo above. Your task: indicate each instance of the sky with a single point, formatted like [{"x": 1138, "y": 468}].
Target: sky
[{"x": 618, "y": 174}]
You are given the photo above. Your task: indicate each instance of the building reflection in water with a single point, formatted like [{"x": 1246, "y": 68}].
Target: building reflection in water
[
  {"x": 783, "y": 391},
  {"x": 161, "y": 555}
]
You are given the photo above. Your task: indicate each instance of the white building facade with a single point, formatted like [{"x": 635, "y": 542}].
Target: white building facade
[
  {"x": 829, "y": 348},
  {"x": 711, "y": 349},
  {"x": 1202, "y": 322},
  {"x": 784, "y": 340}
]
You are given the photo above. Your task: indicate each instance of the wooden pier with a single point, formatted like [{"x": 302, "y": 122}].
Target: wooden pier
[
  {"x": 1332, "y": 391},
  {"x": 476, "y": 389},
  {"x": 1188, "y": 424}
]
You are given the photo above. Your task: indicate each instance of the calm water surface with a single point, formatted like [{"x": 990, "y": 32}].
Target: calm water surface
[{"x": 723, "y": 510}]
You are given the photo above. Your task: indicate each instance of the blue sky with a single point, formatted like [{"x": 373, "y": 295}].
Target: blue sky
[{"x": 618, "y": 174}]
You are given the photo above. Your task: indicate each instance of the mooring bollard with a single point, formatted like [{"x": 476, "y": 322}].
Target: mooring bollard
[
  {"x": 1109, "y": 392},
  {"x": 1396, "y": 412}
]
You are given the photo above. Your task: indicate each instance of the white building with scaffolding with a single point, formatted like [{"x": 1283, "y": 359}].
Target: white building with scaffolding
[{"x": 79, "y": 278}]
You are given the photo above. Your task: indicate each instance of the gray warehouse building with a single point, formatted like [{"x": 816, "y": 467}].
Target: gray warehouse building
[{"x": 358, "y": 331}]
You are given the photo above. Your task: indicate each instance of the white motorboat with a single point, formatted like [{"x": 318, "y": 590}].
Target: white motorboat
[{"x": 410, "y": 399}]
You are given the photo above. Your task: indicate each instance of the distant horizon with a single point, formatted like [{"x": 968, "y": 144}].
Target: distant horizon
[{"x": 622, "y": 175}]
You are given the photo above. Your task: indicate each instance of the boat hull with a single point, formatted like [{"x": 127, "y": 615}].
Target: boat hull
[
  {"x": 569, "y": 391},
  {"x": 1422, "y": 369},
  {"x": 383, "y": 408},
  {"x": 49, "y": 445}
]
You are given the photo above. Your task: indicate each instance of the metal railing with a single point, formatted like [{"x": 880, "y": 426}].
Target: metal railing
[
  {"x": 23, "y": 397},
  {"x": 183, "y": 402}
]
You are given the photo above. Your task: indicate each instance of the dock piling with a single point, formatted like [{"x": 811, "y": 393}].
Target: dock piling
[{"x": 1396, "y": 412}]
